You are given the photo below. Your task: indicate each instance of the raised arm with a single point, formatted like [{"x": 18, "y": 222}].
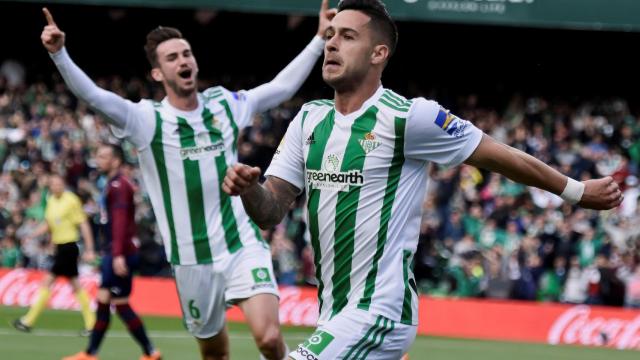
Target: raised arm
[
  {"x": 266, "y": 204},
  {"x": 113, "y": 106},
  {"x": 291, "y": 78},
  {"x": 599, "y": 194}
]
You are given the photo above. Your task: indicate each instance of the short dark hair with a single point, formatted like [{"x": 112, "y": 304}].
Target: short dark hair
[
  {"x": 380, "y": 19},
  {"x": 116, "y": 151},
  {"x": 157, "y": 36}
]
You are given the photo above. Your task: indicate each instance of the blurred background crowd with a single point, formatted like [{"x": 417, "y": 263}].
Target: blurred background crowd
[{"x": 482, "y": 235}]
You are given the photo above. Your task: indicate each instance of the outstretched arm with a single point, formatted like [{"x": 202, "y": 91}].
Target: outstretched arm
[
  {"x": 113, "y": 106},
  {"x": 291, "y": 78},
  {"x": 599, "y": 194},
  {"x": 266, "y": 204}
]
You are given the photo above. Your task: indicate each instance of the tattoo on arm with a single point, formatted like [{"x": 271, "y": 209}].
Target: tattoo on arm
[{"x": 268, "y": 203}]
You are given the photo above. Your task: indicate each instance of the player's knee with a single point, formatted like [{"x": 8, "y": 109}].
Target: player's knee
[
  {"x": 214, "y": 347},
  {"x": 212, "y": 351},
  {"x": 103, "y": 296},
  {"x": 120, "y": 301},
  {"x": 270, "y": 340}
]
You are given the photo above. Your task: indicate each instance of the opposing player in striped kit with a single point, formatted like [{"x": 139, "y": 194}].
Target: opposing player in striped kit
[
  {"x": 362, "y": 160},
  {"x": 185, "y": 144}
]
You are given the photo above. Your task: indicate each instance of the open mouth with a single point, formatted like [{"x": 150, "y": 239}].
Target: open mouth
[
  {"x": 185, "y": 74},
  {"x": 332, "y": 62}
]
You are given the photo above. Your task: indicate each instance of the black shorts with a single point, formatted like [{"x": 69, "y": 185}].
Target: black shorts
[
  {"x": 119, "y": 287},
  {"x": 65, "y": 260}
]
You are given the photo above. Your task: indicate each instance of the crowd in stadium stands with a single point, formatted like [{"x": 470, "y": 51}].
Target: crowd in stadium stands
[{"x": 482, "y": 235}]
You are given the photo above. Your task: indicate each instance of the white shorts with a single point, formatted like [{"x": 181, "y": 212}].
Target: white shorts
[
  {"x": 357, "y": 334},
  {"x": 206, "y": 290}
]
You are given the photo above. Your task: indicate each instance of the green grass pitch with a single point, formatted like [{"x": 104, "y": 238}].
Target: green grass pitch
[{"x": 57, "y": 332}]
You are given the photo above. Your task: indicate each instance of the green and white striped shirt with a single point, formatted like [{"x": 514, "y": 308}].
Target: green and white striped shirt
[
  {"x": 183, "y": 158},
  {"x": 184, "y": 154},
  {"x": 365, "y": 177}
]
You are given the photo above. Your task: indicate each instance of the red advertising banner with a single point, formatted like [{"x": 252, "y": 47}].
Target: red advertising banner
[
  {"x": 20, "y": 287},
  {"x": 531, "y": 322},
  {"x": 150, "y": 296},
  {"x": 462, "y": 318}
]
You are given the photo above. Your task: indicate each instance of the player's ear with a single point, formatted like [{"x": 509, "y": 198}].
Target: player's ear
[
  {"x": 156, "y": 74},
  {"x": 380, "y": 54}
]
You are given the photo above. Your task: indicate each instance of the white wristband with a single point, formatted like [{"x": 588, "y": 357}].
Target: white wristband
[{"x": 573, "y": 191}]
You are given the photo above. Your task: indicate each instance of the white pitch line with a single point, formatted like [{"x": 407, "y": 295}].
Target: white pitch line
[{"x": 124, "y": 334}]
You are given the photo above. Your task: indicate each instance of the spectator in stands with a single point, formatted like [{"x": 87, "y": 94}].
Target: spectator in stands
[
  {"x": 552, "y": 280},
  {"x": 498, "y": 286},
  {"x": 10, "y": 256},
  {"x": 611, "y": 288},
  {"x": 575, "y": 289},
  {"x": 453, "y": 229},
  {"x": 632, "y": 298}
]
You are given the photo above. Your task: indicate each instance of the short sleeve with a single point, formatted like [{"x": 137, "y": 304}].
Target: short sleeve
[
  {"x": 78, "y": 215},
  {"x": 435, "y": 134},
  {"x": 288, "y": 161}
]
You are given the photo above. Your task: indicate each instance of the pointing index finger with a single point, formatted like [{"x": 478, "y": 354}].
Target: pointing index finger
[
  {"x": 48, "y": 16},
  {"x": 324, "y": 6}
]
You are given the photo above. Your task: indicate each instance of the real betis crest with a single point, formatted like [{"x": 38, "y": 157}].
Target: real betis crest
[
  {"x": 215, "y": 123},
  {"x": 369, "y": 143}
]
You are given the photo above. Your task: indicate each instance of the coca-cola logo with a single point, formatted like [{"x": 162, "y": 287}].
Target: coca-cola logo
[
  {"x": 578, "y": 326},
  {"x": 298, "y": 307},
  {"x": 19, "y": 288}
]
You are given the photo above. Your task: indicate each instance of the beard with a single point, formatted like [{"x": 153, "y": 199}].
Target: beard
[
  {"x": 345, "y": 82},
  {"x": 182, "y": 92}
]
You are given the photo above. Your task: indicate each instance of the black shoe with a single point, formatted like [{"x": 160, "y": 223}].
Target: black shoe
[
  {"x": 20, "y": 326},
  {"x": 85, "y": 333}
]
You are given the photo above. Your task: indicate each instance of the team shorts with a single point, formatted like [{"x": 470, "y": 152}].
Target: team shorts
[
  {"x": 118, "y": 286},
  {"x": 206, "y": 290},
  {"x": 357, "y": 334}
]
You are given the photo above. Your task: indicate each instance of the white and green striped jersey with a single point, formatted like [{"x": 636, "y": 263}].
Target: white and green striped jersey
[
  {"x": 365, "y": 177},
  {"x": 184, "y": 157}
]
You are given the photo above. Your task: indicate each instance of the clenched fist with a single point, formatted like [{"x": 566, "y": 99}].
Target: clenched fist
[
  {"x": 601, "y": 194},
  {"x": 240, "y": 178}
]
